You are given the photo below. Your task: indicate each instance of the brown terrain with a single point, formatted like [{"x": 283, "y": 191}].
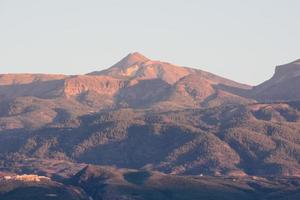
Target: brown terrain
[
  {"x": 152, "y": 119},
  {"x": 283, "y": 86},
  {"x": 34, "y": 100}
]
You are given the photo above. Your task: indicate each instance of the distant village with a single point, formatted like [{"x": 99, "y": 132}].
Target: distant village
[{"x": 24, "y": 178}]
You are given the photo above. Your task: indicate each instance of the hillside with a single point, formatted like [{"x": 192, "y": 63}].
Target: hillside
[
  {"x": 283, "y": 86},
  {"x": 254, "y": 139},
  {"x": 107, "y": 183},
  {"x": 35, "y": 100},
  {"x": 160, "y": 116},
  {"x": 146, "y": 129}
]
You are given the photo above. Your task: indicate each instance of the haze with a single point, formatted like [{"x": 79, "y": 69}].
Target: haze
[{"x": 240, "y": 40}]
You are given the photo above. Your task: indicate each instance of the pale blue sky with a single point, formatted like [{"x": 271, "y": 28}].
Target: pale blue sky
[{"x": 238, "y": 39}]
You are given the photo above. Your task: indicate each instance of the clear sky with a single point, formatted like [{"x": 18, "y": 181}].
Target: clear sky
[{"x": 239, "y": 39}]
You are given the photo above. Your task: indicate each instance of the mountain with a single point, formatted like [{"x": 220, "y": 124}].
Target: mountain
[
  {"x": 138, "y": 67},
  {"x": 254, "y": 139},
  {"x": 136, "y": 82},
  {"x": 132, "y": 73},
  {"x": 159, "y": 84},
  {"x": 146, "y": 129},
  {"x": 283, "y": 86},
  {"x": 144, "y": 113},
  {"x": 35, "y": 100}
]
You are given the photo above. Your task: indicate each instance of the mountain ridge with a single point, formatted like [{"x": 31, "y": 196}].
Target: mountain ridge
[
  {"x": 144, "y": 114},
  {"x": 34, "y": 100},
  {"x": 282, "y": 86},
  {"x": 122, "y": 84}
]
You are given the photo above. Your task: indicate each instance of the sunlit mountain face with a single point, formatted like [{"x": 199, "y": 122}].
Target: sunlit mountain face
[{"x": 146, "y": 129}]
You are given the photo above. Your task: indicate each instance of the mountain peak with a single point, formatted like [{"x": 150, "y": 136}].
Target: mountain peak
[
  {"x": 137, "y": 55},
  {"x": 131, "y": 59}
]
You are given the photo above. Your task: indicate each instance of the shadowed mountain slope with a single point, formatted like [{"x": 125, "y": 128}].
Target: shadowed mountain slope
[
  {"x": 255, "y": 139},
  {"x": 110, "y": 183},
  {"x": 283, "y": 86}
]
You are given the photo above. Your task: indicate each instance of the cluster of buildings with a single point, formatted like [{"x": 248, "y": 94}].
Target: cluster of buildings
[{"x": 24, "y": 178}]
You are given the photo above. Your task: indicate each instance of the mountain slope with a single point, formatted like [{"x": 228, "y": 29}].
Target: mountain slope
[
  {"x": 158, "y": 84},
  {"x": 255, "y": 139},
  {"x": 154, "y": 115},
  {"x": 137, "y": 66},
  {"x": 283, "y": 86},
  {"x": 107, "y": 183},
  {"x": 110, "y": 183},
  {"x": 35, "y": 100}
]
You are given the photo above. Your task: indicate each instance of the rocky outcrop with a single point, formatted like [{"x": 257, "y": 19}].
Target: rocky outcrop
[{"x": 283, "y": 86}]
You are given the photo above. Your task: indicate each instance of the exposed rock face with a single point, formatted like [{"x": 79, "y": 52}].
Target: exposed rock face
[{"x": 103, "y": 85}]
